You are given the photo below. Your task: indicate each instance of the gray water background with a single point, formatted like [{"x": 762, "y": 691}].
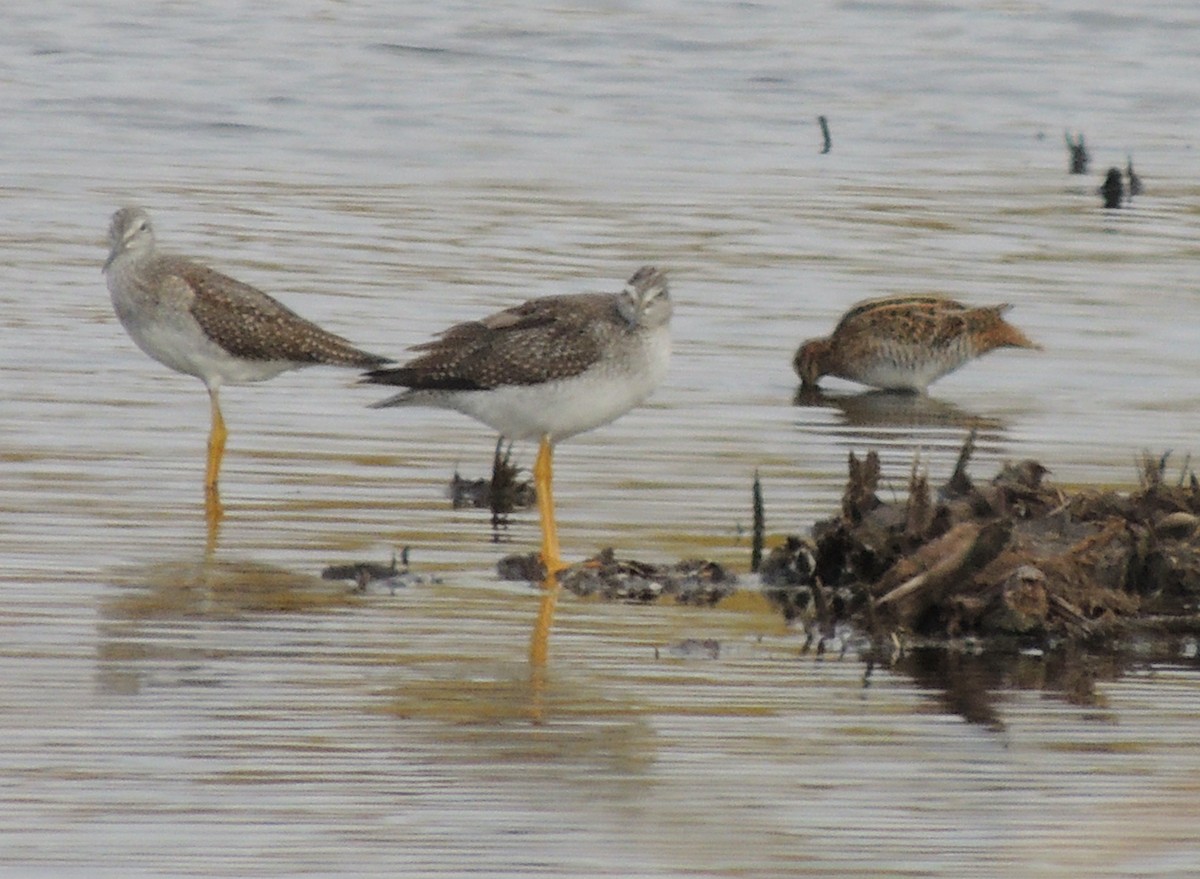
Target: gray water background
[{"x": 388, "y": 168}]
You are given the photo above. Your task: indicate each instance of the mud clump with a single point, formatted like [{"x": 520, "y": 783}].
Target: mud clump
[
  {"x": 1015, "y": 557},
  {"x": 604, "y": 576}
]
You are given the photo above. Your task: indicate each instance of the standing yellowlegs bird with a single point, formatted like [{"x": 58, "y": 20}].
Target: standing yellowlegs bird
[
  {"x": 202, "y": 323},
  {"x": 906, "y": 342},
  {"x": 546, "y": 370}
]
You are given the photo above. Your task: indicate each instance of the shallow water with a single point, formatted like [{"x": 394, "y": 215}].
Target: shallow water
[{"x": 387, "y": 170}]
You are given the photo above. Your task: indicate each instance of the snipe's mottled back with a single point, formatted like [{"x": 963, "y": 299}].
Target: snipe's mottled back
[{"x": 906, "y": 342}]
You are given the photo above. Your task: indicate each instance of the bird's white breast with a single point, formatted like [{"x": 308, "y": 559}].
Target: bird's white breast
[{"x": 565, "y": 407}]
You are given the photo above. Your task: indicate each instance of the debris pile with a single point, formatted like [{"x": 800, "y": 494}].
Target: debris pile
[
  {"x": 501, "y": 494},
  {"x": 368, "y": 574},
  {"x": 1015, "y": 557}
]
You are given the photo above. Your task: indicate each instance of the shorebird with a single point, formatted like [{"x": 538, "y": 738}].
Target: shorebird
[
  {"x": 906, "y": 342},
  {"x": 546, "y": 370},
  {"x": 200, "y": 322}
]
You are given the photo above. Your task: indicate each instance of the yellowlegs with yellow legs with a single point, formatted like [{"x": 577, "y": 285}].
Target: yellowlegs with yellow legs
[
  {"x": 200, "y": 322},
  {"x": 906, "y": 342},
  {"x": 546, "y": 370}
]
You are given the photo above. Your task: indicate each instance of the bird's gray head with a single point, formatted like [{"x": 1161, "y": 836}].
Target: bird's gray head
[
  {"x": 645, "y": 299},
  {"x": 129, "y": 232}
]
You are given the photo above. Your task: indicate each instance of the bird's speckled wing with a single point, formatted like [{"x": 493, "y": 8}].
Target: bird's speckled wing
[
  {"x": 923, "y": 320},
  {"x": 251, "y": 325},
  {"x": 542, "y": 340},
  {"x": 876, "y": 312}
]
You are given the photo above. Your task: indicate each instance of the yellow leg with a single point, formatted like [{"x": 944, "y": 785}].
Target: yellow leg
[
  {"x": 216, "y": 444},
  {"x": 543, "y": 478},
  {"x": 216, "y": 450}
]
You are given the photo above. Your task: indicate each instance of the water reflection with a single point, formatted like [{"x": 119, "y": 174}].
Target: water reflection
[
  {"x": 871, "y": 410},
  {"x": 214, "y": 512},
  {"x": 131, "y": 647},
  {"x": 974, "y": 684},
  {"x": 211, "y": 588}
]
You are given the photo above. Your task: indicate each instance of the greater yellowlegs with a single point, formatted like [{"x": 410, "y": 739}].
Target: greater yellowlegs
[
  {"x": 546, "y": 370},
  {"x": 203, "y": 323},
  {"x": 906, "y": 342}
]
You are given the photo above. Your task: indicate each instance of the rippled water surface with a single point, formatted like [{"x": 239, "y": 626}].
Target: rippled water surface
[{"x": 388, "y": 168}]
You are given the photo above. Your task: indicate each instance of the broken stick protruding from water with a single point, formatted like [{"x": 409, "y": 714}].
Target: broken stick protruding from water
[{"x": 756, "y": 540}]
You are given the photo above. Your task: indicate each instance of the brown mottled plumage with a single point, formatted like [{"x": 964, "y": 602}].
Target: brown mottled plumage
[
  {"x": 200, "y": 322},
  {"x": 249, "y": 324},
  {"x": 555, "y": 337},
  {"x": 906, "y": 342}
]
